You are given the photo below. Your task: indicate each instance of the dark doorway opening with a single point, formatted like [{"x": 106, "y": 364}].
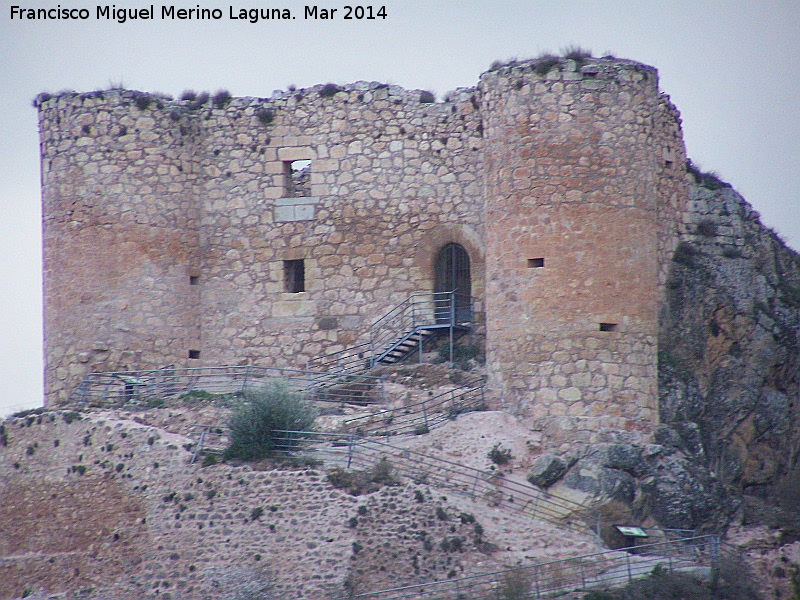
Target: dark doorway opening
[{"x": 452, "y": 274}]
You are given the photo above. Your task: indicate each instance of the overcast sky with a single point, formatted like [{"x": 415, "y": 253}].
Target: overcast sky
[{"x": 731, "y": 68}]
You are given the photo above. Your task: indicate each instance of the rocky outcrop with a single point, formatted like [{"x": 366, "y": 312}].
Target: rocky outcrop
[
  {"x": 657, "y": 485},
  {"x": 729, "y": 364}
]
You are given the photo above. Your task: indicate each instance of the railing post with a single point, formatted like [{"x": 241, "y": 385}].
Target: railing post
[
  {"x": 350, "y": 450},
  {"x": 628, "y": 562},
  {"x": 452, "y": 323},
  {"x": 714, "y": 551},
  {"x": 199, "y": 446},
  {"x": 425, "y": 415},
  {"x": 247, "y": 373},
  {"x": 536, "y": 580}
]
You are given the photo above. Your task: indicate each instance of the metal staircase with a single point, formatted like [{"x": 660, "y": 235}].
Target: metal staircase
[{"x": 402, "y": 331}]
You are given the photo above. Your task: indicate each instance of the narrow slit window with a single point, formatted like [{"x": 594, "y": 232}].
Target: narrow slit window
[
  {"x": 294, "y": 276},
  {"x": 608, "y": 326},
  {"x": 297, "y": 178},
  {"x": 194, "y": 354},
  {"x": 535, "y": 263}
]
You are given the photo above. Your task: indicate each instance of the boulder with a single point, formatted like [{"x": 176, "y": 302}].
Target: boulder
[{"x": 546, "y": 470}]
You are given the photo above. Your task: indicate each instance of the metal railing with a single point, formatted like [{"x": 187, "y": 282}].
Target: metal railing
[
  {"x": 355, "y": 359},
  {"x": 415, "y": 314},
  {"x": 435, "y": 310},
  {"x": 698, "y": 555},
  {"x": 349, "y": 451},
  {"x": 211, "y": 439},
  {"x": 145, "y": 388},
  {"x": 421, "y": 417}
]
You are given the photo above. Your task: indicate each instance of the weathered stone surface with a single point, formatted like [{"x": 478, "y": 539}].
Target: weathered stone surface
[
  {"x": 545, "y": 470},
  {"x": 730, "y": 339}
]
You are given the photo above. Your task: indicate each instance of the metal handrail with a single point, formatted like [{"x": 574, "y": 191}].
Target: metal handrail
[
  {"x": 352, "y": 451},
  {"x": 354, "y": 359},
  {"x": 422, "y": 416},
  {"x": 417, "y": 312},
  {"x": 598, "y": 570},
  {"x": 420, "y": 311},
  {"x": 144, "y": 388}
]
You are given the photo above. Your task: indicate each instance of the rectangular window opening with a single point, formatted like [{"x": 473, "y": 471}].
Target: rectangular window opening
[
  {"x": 535, "y": 263},
  {"x": 608, "y": 326},
  {"x": 194, "y": 279},
  {"x": 194, "y": 354},
  {"x": 297, "y": 178},
  {"x": 294, "y": 276}
]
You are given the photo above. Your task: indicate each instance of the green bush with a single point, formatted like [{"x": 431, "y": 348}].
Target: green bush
[
  {"x": 516, "y": 585},
  {"x": 142, "y": 101},
  {"x": 364, "y": 482},
  {"x": 578, "y": 54},
  {"x": 707, "y": 228},
  {"x": 461, "y": 352},
  {"x": 258, "y": 426},
  {"x": 266, "y": 116},
  {"x": 685, "y": 255}
]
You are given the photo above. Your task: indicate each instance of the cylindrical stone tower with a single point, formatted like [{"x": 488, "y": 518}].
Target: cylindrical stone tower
[
  {"x": 574, "y": 161},
  {"x": 120, "y": 230}
]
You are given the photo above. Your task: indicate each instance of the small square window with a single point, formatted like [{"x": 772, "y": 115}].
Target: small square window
[
  {"x": 194, "y": 279},
  {"x": 194, "y": 354},
  {"x": 535, "y": 263},
  {"x": 294, "y": 276}
]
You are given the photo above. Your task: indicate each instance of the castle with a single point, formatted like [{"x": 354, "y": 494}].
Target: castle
[{"x": 268, "y": 231}]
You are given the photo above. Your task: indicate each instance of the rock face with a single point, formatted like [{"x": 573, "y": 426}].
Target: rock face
[
  {"x": 654, "y": 485},
  {"x": 729, "y": 365}
]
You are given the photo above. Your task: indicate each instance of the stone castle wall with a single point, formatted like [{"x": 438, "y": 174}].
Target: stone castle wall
[
  {"x": 171, "y": 227},
  {"x": 167, "y": 228}
]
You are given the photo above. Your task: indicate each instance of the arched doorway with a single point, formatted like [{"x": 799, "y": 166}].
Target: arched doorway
[{"x": 452, "y": 274}]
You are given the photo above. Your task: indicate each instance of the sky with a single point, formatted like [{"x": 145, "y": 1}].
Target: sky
[{"x": 731, "y": 68}]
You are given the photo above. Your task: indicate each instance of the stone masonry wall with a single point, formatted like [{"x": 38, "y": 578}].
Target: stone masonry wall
[
  {"x": 174, "y": 229},
  {"x": 574, "y": 161},
  {"x": 106, "y": 505},
  {"x": 392, "y": 181},
  {"x": 167, "y": 224},
  {"x": 120, "y": 219}
]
